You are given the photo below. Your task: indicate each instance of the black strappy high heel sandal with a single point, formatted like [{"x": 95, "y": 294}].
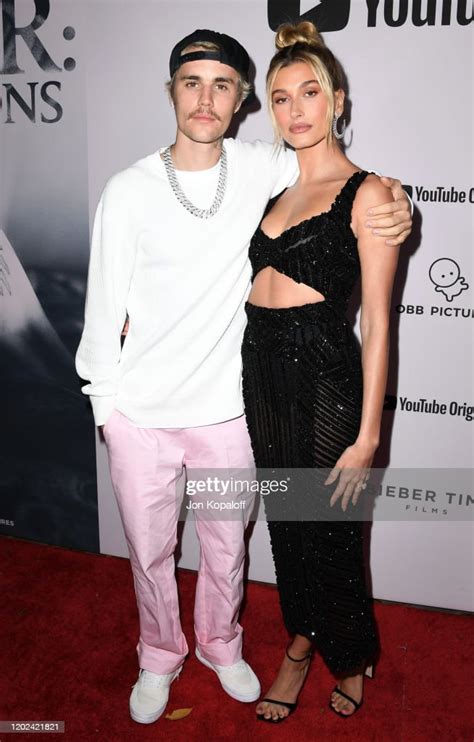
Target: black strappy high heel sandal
[
  {"x": 290, "y": 706},
  {"x": 369, "y": 672}
]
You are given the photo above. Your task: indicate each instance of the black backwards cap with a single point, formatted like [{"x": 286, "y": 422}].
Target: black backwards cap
[{"x": 229, "y": 52}]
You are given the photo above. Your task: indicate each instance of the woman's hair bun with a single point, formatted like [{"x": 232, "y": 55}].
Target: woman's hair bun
[{"x": 304, "y": 32}]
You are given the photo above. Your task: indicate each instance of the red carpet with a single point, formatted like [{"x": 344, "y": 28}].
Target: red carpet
[{"x": 69, "y": 629}]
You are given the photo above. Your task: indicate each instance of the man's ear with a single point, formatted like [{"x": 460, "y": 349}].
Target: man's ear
[{"x": 239, "y": 105}]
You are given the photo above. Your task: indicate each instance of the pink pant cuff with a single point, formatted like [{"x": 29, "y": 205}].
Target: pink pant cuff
[
  {"x": 223, "y": 653},
  {"x": 158, "y": 660}
]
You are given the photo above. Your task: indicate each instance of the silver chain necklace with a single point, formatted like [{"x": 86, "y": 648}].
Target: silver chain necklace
[{"x": 181, "y": 196}]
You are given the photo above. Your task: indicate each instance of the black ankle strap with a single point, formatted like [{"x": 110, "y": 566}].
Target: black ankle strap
[{"x": 293, "y": 659}]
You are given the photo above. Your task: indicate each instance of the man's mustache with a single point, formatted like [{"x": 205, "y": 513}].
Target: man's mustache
[{"x": 204, "y": 112}]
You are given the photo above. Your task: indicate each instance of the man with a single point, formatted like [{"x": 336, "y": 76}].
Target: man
[{"x": 169, "y": 250}]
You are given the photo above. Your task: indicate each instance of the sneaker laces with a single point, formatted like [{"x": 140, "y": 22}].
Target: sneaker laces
[{"x": 149, "y": 679}]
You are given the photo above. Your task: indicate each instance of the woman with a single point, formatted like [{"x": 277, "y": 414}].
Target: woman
[{"x": 312, "y": 403}]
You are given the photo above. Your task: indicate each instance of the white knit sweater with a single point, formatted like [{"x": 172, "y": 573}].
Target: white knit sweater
[{"x": 182, "y": 280}]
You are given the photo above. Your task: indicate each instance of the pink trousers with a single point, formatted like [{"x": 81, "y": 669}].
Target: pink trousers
[{"x": 148, "y": 468}]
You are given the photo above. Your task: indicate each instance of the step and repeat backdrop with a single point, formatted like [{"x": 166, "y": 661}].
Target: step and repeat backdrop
[{"x": 82, "y": 95}]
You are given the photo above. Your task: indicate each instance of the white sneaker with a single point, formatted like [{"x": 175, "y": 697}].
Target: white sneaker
[
  {"x": 150, "y": 694},
  {"x": 238, "y": 680}
]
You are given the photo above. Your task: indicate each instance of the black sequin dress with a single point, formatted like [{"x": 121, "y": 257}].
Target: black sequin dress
[{"x": 302, "y": 384}]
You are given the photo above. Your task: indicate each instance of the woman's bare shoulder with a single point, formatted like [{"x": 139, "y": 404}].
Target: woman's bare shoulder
[{"x": 372, "y": 192}]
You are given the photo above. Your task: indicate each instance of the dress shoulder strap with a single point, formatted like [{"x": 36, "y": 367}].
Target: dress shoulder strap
[{"x": 346, "y": 197}]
